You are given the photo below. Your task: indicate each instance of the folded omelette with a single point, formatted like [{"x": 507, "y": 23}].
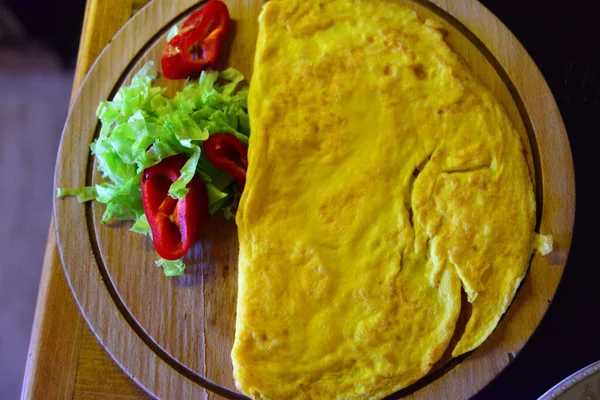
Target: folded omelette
[{"x": 383, "y": 180}]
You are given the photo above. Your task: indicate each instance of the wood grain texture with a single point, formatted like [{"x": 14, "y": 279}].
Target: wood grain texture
[
  {"x": 98, "y": 377},
  {"x": 164, "y": 347},
  {"x": 61, "y": 343},
  {"x": 47, "y": 350},
  {"x": 103, "y": 18}
]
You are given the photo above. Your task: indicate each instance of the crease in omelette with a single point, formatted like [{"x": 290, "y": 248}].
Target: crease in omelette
[{"x": 382, "y": 179}]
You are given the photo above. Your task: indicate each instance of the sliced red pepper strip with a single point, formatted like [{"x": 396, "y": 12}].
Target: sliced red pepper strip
[
  {"x": 227, "y": 153},
  {"x": 198, "y": 43},
  {"x": 175, "y": 223}
]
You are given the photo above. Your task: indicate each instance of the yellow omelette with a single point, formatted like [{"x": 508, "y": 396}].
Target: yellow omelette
[{"x": 383, "y": 178}]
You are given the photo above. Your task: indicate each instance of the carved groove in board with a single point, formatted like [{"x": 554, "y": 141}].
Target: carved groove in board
[
  {"x": 106, "y": 278},
  {"x": 432, "y": 382},
  {"x": 533, "y": 145},
  {"x": 192, "y": 375}
]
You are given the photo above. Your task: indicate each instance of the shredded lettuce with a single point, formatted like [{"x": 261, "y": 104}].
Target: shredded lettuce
[
  {"x": 215, "y": 197},
  {"x": 178, "y": 188},
  {"x": 85, "y": 193},
  {"x": 230, "y": 209},
  {"x": 141, "y": 127},
  {"x": 174, "y": 31},
  {"x": 142, "y": 226},
  {"x": 171, "y": 268}
]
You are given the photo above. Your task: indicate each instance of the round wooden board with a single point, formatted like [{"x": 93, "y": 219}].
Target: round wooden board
[{"x": 173, "y": 336}]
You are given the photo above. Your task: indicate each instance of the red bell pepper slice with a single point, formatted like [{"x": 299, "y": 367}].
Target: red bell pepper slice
[
  {"x": 175, "y": 223},
  {"x": 227, "y": 153},
  {"x": 198, "y": 44}
]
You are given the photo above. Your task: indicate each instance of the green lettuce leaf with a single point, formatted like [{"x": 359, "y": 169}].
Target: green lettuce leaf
[
  {"x": 230, "y": 209},
  {"x": 123, "y": 202},
  {"x": 171, "y": 268},
  {"x": 141, "y": 127},
  {"x": 172, "y": 32},
  {"x": 178, "y": 188},
  {"x": 142, "y": 226},
  {"x": 234, "y": 76},
  {"x": 214, "y": 197},
  {"x": 84, "y": 193}
]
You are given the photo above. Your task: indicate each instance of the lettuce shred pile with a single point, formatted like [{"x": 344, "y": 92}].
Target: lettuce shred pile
[{"x": 141, "y": 127}]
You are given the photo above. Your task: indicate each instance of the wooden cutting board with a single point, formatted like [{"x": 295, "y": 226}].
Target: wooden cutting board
[{"x": 173, "y": 336}]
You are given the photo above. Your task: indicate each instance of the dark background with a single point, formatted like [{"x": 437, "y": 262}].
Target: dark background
[
  {"x": 563, "y": 38},
  {"x": 56, "y": 24}
]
